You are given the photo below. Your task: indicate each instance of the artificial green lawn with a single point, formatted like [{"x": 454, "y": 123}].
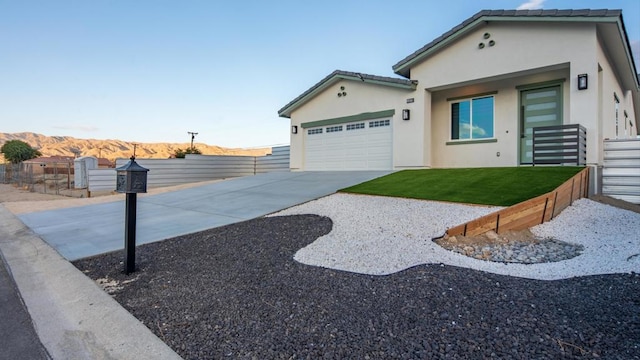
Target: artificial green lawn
[{"x": 487, "y": 186}]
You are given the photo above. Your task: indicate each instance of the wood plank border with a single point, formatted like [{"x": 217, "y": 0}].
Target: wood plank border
[{"x": 530, "y": 212}]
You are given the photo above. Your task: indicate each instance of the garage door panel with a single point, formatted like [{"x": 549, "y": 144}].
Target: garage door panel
[
  {"x": 333, "y": 142},
  {"x": 357, "y": 136},
  {"x": 316, "y": 145},
  {"x": 377, "y": 153},
  {"x": 338, "y": 135},
  {"x": 334, "y": 165},
  {"x": 352, "y": 146},
  {"x": 378, "y": 136},
  {"x": 360, "y": 154},
  {"x": 355, "y": 146}
]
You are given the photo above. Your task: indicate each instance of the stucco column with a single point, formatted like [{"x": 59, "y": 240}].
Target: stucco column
[
  {"x": 296, "y": 156},
  {"x": 408, "y": 139},
  {"x": 427, "y": 128},
  {"x": 584, "y": 107}
]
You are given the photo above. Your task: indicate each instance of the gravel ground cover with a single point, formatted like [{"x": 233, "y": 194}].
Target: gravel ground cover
[
  {"x": 236, "y": 292},
  {"x": 382, "y": 235}
]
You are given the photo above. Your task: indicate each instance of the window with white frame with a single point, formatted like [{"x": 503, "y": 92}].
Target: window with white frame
[
  {"x": 379, "y": 123},
  {"x": 314, "y": 131},
  {"x": 472, "y": 119},
  {"x": 334, "y": 128},
  {"x": 355, "y": 126}
]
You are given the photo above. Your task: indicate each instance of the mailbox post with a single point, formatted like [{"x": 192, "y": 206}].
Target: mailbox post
[{"x": 131, "y": 179}]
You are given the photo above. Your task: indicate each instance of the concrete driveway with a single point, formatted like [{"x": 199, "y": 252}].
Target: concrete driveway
[{"x": 95, "y": 229}]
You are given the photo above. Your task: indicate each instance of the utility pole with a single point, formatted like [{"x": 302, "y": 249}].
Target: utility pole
[
  {"x": 193, "y": 136},
  {"x": 135, "y": 145},
  {"x": 100, "y": 149}
]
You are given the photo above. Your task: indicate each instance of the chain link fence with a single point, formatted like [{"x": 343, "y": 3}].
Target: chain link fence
[
  {"x": 10, "y": 173},
  {"x": 50, "y": 177}
]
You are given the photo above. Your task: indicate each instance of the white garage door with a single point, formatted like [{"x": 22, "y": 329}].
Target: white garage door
[{"x": 360, "y": 145}]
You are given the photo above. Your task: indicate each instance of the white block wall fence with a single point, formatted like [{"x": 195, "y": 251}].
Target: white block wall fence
[{"x": 194, "y": 168}]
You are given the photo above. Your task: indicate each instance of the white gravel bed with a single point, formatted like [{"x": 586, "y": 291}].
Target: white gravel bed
[{"x": 383, "y": 235}]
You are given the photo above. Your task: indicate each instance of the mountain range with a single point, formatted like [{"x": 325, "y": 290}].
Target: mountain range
[{"x": 113, "y": 149}]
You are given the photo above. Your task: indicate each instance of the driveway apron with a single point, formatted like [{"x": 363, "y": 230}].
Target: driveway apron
[{"x": 95, "y": 229}]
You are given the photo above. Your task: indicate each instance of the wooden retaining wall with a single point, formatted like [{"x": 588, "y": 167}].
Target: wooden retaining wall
[{"x": 530, "y": 212}]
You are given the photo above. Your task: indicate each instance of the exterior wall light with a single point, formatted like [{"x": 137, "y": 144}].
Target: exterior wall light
[
  {"x": 583, "y": 82},
  {"x": 294, "y": 129},
  {"x": 406, "y": 114}
]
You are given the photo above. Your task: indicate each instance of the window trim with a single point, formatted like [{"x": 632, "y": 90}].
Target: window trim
[
  {"x": 452, "y": 101},
  {"x": 469, "y": 142},
  {"x": 477, "y": 95},
  {"x": 540, "y": 85}
]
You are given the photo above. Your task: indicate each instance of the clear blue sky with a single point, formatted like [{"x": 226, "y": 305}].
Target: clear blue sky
[{"x": 152, "y": 70}]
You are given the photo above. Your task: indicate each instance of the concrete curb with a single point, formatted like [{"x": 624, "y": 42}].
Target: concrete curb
[{"x": 73, "y": 317}]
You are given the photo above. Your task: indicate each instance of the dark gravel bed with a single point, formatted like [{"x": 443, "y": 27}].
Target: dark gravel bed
[{"x": 236, "y": 292}]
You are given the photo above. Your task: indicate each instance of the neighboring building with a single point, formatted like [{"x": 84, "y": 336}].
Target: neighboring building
[
  {"x": 104, "y": 163},
  {"x": 49, "y": 164},
  {"x": 471, "y": 97}
]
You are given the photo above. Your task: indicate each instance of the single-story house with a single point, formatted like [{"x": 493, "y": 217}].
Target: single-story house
[
  {"x": 472, "y": 97},
  {"x": 49, "y": 164}
]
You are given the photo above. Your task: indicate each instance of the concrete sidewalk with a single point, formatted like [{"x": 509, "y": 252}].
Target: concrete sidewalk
[
  {"x": 72, "y": 316},
  {"x": 90, "y": 230},
  {"x": 18, "y": 338}
]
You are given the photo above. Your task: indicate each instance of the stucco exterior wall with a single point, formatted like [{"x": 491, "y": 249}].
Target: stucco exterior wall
[
  {"x": 361, "y": 97},
  {"x": 523, "y": 53},
  {"x": 610, "y": 86},
  {"x": 506, "y": 122},
  {"x": 409, "y": 136},
  {"x": 519, "y": 47}
]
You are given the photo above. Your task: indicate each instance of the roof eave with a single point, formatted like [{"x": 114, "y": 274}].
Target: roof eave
[
  {"x": 286, "y": 111},
  {"x": 403, "y": 67},
  {"x": 627, "y": 48}
]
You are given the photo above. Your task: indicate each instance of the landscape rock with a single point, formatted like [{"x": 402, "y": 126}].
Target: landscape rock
[{"x": 236, "y": 292}]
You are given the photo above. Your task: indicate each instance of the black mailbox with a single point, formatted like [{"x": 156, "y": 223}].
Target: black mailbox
[{"x": 131, "y": 178}]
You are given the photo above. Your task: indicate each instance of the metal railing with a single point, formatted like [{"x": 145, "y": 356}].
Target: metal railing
[{"x": 558, "y": 145}]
